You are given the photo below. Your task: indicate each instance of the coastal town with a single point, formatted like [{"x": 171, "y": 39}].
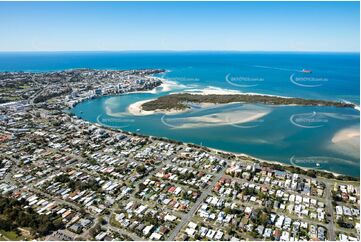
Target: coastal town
[{"x": 64, "y": 178}]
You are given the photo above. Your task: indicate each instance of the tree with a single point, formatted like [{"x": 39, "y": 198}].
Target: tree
[
  {"x": 14, "y": 215},
  {"x": 63, "y": 178},
  {"x": 263, "y": 218},
  {"x": 141, "y": 169},
  {"x": 95, "y": 230}
]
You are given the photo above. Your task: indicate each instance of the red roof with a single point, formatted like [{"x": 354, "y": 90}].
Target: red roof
[{"x": 171, "y": 189}]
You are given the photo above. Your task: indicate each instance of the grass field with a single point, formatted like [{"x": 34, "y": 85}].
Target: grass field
[{"x": 9, "y": 235}]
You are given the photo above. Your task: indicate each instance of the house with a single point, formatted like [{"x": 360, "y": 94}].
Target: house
[
  {"x": 260, "y": 229},
  {"x": 211, "y": 234},
  {"x": 170, "y": 217},
  {"x": 218, "y": 235},
  {"x": 147, "y": 229},
  {"x": 155, "y": 236},
  {"x": 279, "y": 221},
  {"x": 285, "y": 236},
  {"x": 192, "y": 225},
  {"x": 267, "y": 233},
  {"x": 76, "y": 228},
  {"x": 100, "y": 236},
  {"x": 339, "y": 210},
  {"x": 190, "y": 232}
]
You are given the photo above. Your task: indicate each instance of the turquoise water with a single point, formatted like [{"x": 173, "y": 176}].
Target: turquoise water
[
  {"x": 272, "y": 137},
  {"x": 294, "y": 135}
]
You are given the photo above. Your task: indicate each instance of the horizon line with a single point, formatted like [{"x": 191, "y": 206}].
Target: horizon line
[{"x": 260, "y": 51}]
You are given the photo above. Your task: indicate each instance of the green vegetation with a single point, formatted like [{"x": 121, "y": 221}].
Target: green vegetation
[
  {"x": 10, "y": 235},
  {"x": 13, "y": 215},
  {"x": 311, "y": 173},
  {"x": 9, "y": 99},
  {"x": 63, "y": 178},
  {"x": 114, "y": 222},
  {"x": 95, "y": 230},
  {"x": 141, "y": 169},
  {"x": 91, "y": 183},
  {"x": 179, "y": 101}
]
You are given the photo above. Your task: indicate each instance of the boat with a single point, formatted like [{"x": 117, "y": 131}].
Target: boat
[{"x": 306, "y": 71}]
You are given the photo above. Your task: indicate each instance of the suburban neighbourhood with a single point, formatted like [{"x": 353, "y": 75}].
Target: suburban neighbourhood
[{"x": 64, "y": 178}]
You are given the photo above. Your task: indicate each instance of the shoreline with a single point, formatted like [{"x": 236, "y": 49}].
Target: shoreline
[
  {"x": 275, "y": 162},
  {"x": 166, "y": 87},
  {"x": 238, "y": 154},
  {"x": 212, "y": 90},
  {"x": 136, "y": 108},
  {"x": 181, "y": 101}
]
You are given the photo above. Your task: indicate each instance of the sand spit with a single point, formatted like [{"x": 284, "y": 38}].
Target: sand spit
[{"x": 136, "y": 109}]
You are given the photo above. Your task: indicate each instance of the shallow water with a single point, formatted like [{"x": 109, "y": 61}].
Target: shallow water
[
  {"x": 297, "y": 135},
  {"x": 283, "y": 133}
]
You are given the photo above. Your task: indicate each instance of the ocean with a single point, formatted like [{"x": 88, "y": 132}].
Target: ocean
[{"x": 312, "y": 137}]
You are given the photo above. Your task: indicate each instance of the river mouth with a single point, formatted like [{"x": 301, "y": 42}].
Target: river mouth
[
  {"x": 290, "y": 134},
  {"x": 294, "y": 135}
]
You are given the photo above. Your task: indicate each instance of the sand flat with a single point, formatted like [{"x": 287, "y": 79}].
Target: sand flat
[
  {"x": 347, "y": 141},
  {"x": 348, "y": 135},
  {"x": 219, "y": 119}
]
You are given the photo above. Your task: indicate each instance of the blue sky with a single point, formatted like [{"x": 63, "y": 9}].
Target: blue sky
[{"x": 243, "y": 26}]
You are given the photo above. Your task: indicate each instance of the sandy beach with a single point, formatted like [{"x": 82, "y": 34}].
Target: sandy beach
[
  {"x": 136, "y": 109},
  {"x": 270, "y": 161},
  {"x": 170, "y": 85},
  {"x": 213, "y": 90},
  {"x": 221, "y": 91}
]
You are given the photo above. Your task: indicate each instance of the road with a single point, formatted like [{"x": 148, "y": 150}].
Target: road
[
  {"x": 329, "y": 207},
  {"x": 188, "y": 216},
  {"x": 58, "y": 200},
  {"x": 32, "y": 98},
  {"x": 122, "y": 231}
]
